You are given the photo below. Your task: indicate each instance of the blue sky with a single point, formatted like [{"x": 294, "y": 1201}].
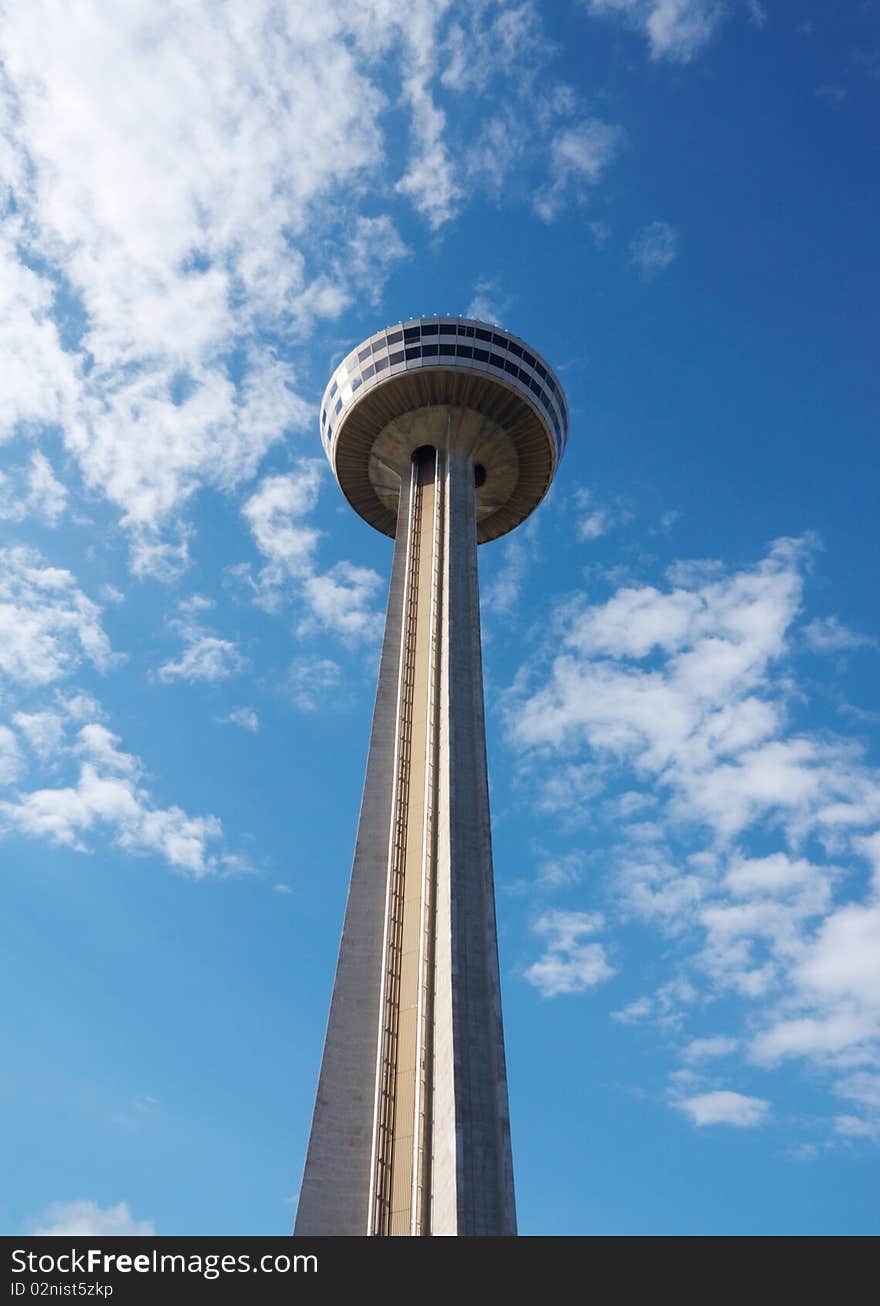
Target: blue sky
[{"x": 203, "y": 209}]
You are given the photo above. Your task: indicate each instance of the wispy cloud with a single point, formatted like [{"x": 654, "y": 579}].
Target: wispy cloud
[
  {"x": 314, "y": 682},
  {"x": 654, "y": 248},
  {"x": 594, "y": 518},
  {"x": 205, "y": 657},
  {"x": 487, "y": 302},
  {"x": 675, "y": 29},
  {"x": 32, "y": 491},
  {"x": 579, "y": 155},
  {"x": 688, "y": 692},
  {"x": 243, "y": 717},
  {"x": 568, "y": 965},
  {"x": 829, "y": 635}
]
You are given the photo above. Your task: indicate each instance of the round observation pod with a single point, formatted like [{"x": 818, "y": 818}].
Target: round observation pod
[{"x": 451, "y": 383}]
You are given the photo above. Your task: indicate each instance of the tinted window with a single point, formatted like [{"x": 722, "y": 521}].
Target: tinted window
[
  {"x": 429, "y": 350},
  {"x": 356, "y": 384},
  {"x": 483, "y": 335},
  {"x": 380, "y": 363},
  {"x": 514, "y": 349},
  {"x": 414, "y": 353},
  {"x": 396, "y": 358},
  {"x": 411, "y": 333},
  {"x": 447, "y": 349},
  {"x": 529, "y": 359},
  {"x": 465, "y": 351},
  {"x": 448, "y": 328},
  {"x": 542, "y": 371},
  {"x": 334, "y": 387},
  {"x": 534, "y": 385},
  {"x": 511, "y": 368},
  {"x": 363, "y": 354},
  {"x": 430, "y": 330},
  {"x": 338, "y": 407},
  {"x": 378, "y": 346},
  {"x": 395, "y": 337},
  {"x": 482, "y": 355},
  {"x": 368, "y": 372},
  {"x": 496, "y": 360},
  {"x": 500, "y": 340}
]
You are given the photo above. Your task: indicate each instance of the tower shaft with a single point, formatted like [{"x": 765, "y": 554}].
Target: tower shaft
[{"x": 410, "y": 1134}]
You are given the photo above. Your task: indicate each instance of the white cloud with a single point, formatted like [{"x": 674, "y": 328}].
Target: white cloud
[
  {"x": 559, "y": 872},
  {"x": 751, "y": 858},
  {"x": 244, "y": 717},
  {"x": 341, "y": 600},
  {"x": 109, "y": 794},
  {"x": 501, "y": 594},
  {"x": 373, "y": 249},
  {"x": 856, "y": 1126},
  {"x": 10, "y": 756},
  {"x": 338, "y": 600},
  {"x": 315, "y": 682},
  {"x": 276, "y": 513},
  {"x": 718, "y": 1045},
  {"x": 829, "y": 635},
  {"x": 654, "y": 248},
  {"x": 675, "y": 29},
  {"x": 47, "y": 625},
  {"x": 725, "y": 1108},
  {"x": 86, "y": 1219},
  {"x": 485, "y": 304},
  {"x": 205, "y": 657},
  {"x": 595, "y": 519},
  {"x": 39, "y": 377},
  {"x": 429, "y": 181},
  {"x": 579, "y": 155},
  {"x": 238, "y": 126},
  {"x": 156, "y": 337},
  {"x": 862, "y": 1088},
  {"x": 568, "y": 965},
  {"x": 32, "y": 491}
]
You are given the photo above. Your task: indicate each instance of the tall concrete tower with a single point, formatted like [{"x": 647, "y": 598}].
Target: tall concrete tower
[{"x": 442, "y": 433}]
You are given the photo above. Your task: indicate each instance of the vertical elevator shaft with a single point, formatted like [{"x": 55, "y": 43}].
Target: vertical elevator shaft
[{"x": 401, "y": 1198}]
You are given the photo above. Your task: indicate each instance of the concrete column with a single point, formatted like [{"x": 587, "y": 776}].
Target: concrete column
[{"x": 411, "y": 1133}]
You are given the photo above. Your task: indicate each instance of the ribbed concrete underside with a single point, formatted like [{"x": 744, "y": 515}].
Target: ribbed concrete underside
[
  {"x": 410, "y": 1134},
  {"x": 531, "y": 458}
]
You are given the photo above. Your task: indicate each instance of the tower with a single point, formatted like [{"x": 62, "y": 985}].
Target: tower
[{"x": 442, "y": 433}]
